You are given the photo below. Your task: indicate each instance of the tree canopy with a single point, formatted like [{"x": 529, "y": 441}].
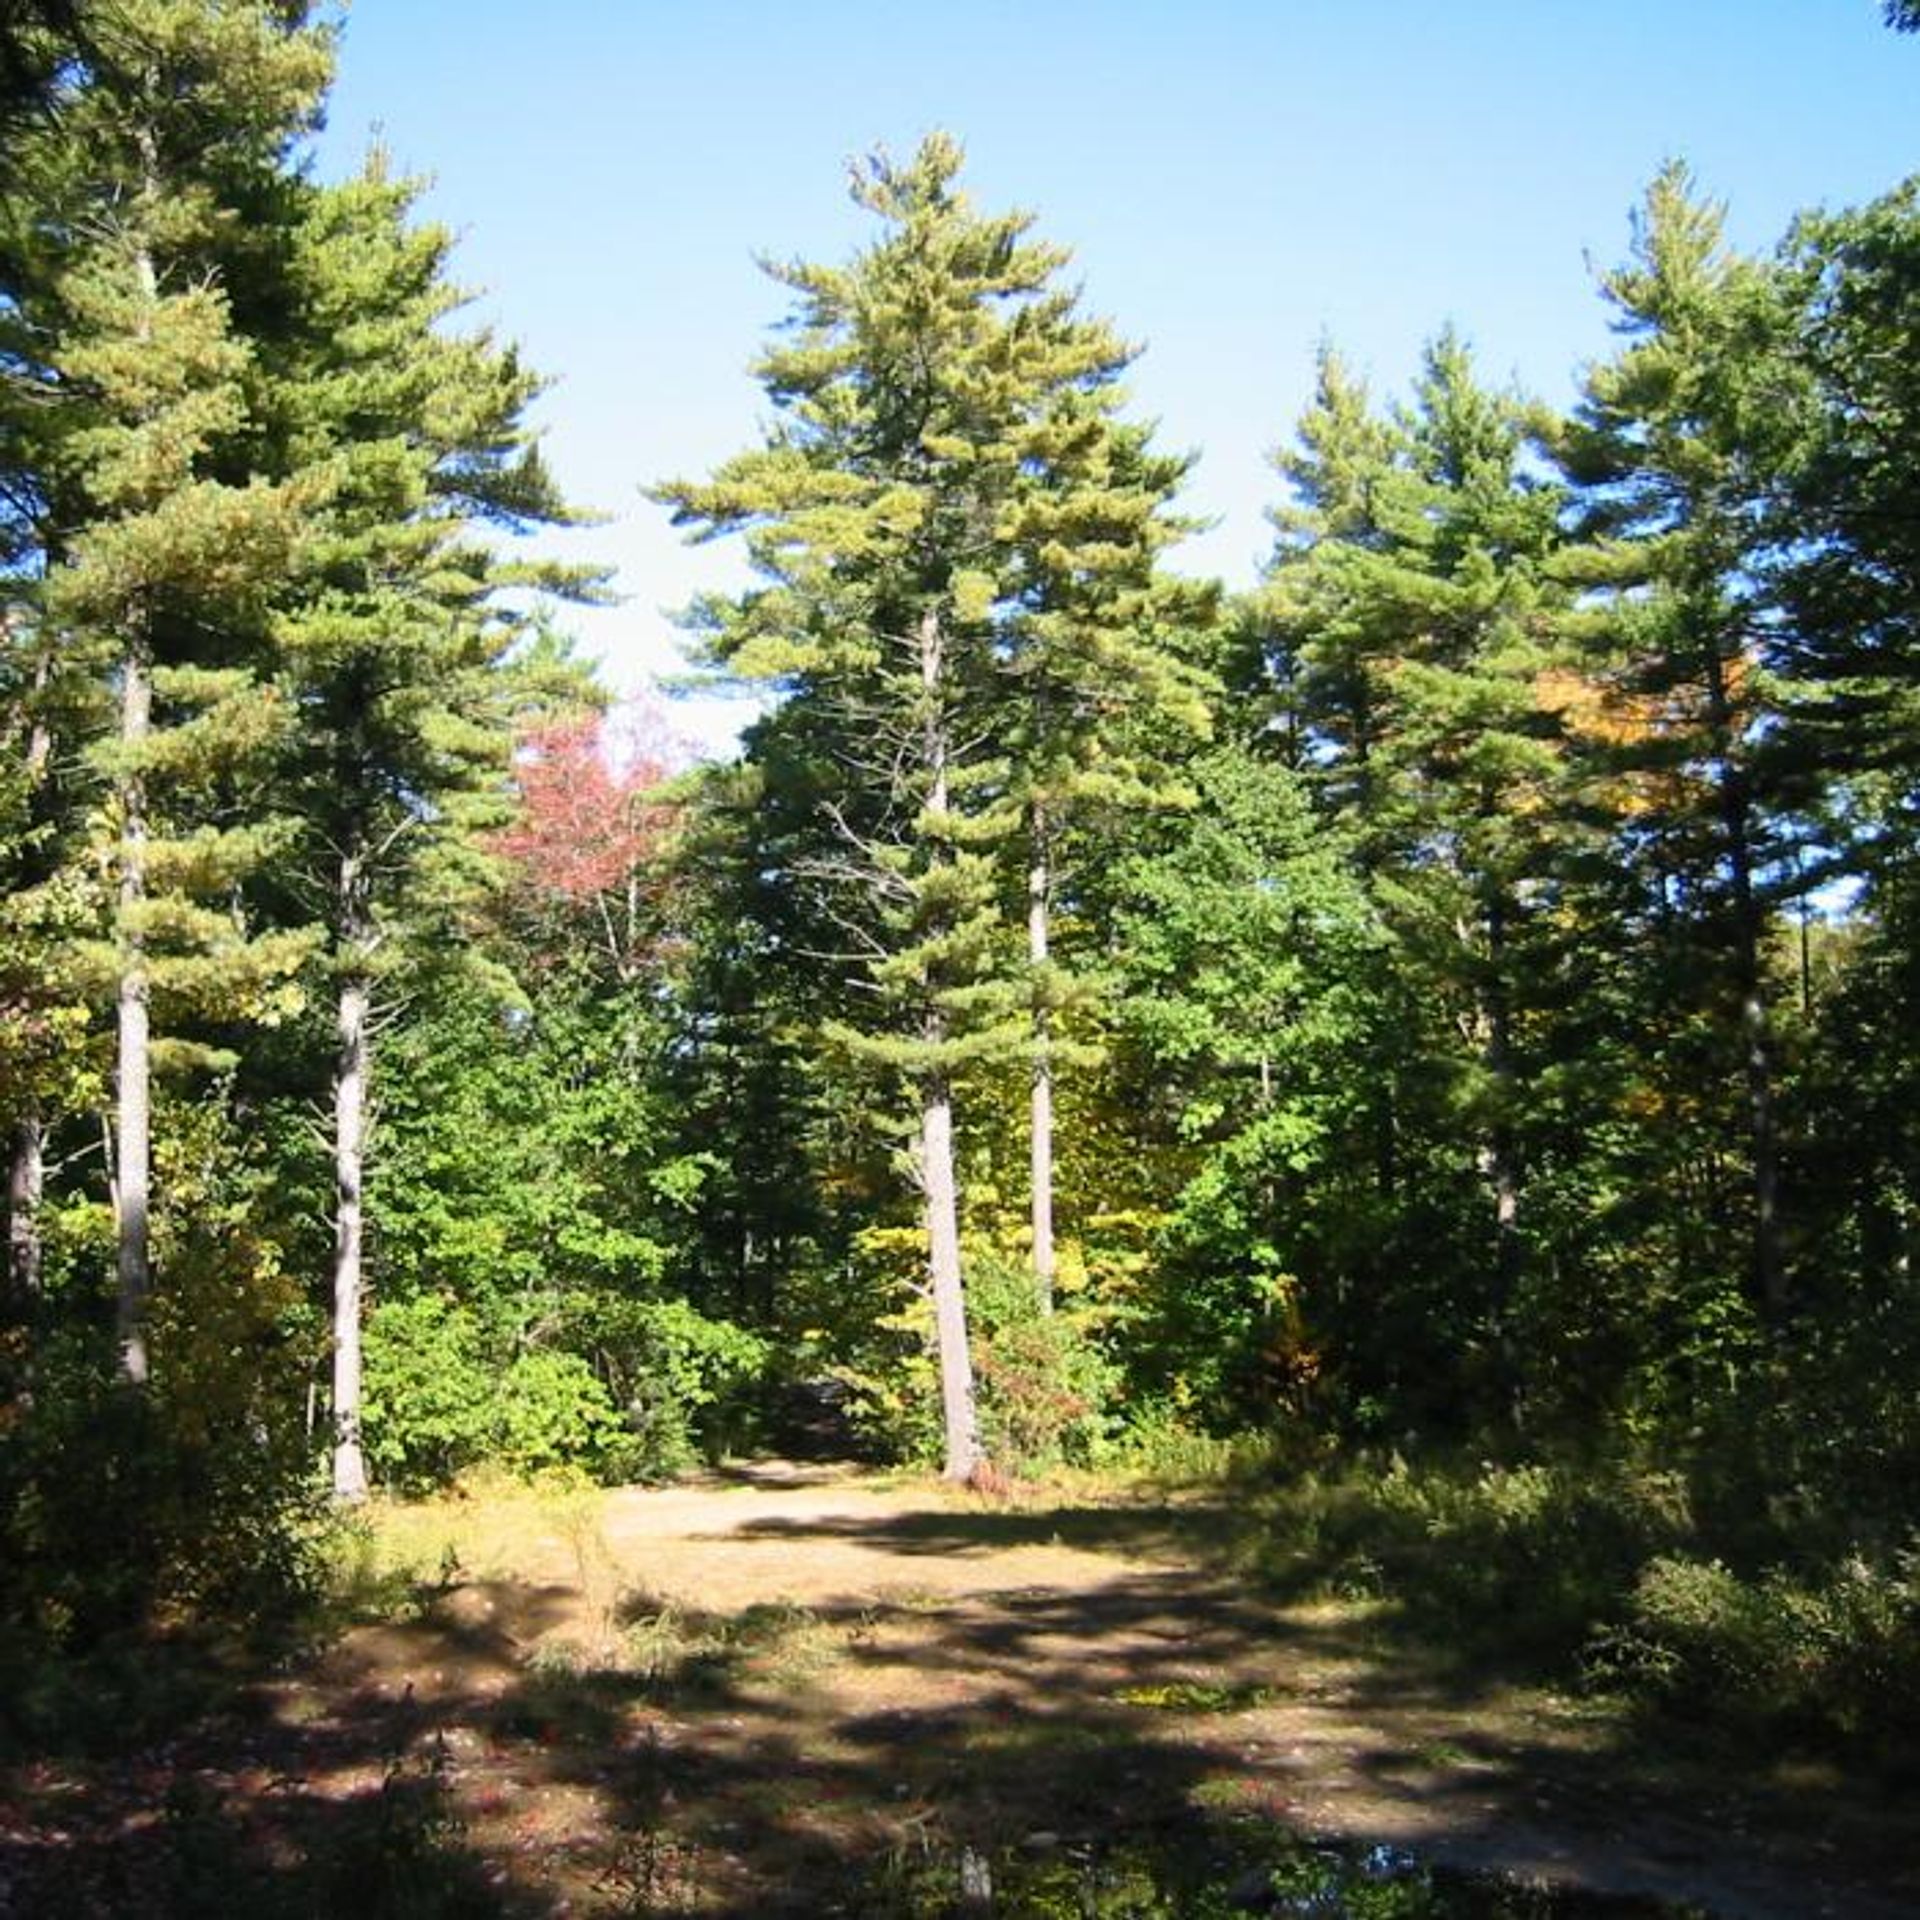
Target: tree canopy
[{"x": 1458, "y": 990}]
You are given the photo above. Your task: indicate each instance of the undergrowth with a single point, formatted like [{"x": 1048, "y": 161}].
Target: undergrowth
[{"x": 1611, "y": 1576}]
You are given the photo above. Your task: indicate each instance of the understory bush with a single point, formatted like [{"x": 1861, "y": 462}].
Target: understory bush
[
  {"x": 1604, "y": 1571},
  {"x": 1832, "y": 1654},
  {"x": 1161, "y": 1439},
  {"x": 685, "y": 1385},
  {"x": 555, "y": 1411},
  {"x": 619, "y": 1389},
  {"x": 142, "y": 1536},
  {"x": 1531, "y": 1558},
  {"x": 1044, "y": 1384},
  {"x": 428, "y": 1406}
]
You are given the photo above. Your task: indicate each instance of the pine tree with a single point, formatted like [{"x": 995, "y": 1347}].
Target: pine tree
[
  {"x": 1844, "y": 567},
  {"x": 157, "y": 178},
  {"x": 1669, "y": 453},
  {"x": 1411, "y": 670},
  {"x": 37, "y": 1015},
  {"x": 940, "y": 398},
  {"x": 38, "y": 39},
  {"x": 1318, "y": 680},
  {"x": 1479, "y": 739},
  {"x": 48, "y": 908},
  {"x": 1845, "y": 530},
  {"x": 393, "y": 635},
  {"x": 1098, "y": 653}
]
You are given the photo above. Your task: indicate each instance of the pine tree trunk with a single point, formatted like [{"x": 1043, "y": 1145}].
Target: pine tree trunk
[
  {"x": 1498, "y": 1159},
  {"x": 1756, "y": 1025},
  {"x": 19, "y": 1306},
  {"x": 960, "y": 1420},
  {"x": 941, "y": 1188},
  {"x": 1039, "y": 882},
  {"x": 26, "y": 1168},
  {"x": 349, "y": 1159},
  {"x": 25, "y": 1178},
  {"x": 1502, "y": 1172},
  {"x": 349, "y": 1166},
  {"x": 133, "y": 1091}
]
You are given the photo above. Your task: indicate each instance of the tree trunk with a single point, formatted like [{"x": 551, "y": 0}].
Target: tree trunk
[
  {"x": 133, "y": 1092},
  {"x": 959, "y": 1417},
  {"x": 26, "y": 1169},
  {"x": 19, "y": 1308},
  {"x": 1756, "y": 1025},
  {"x": 1502, "y": 1172},
  {"x": 349, "y": 1165},
  {"x": 349, "y": 1160},
  {"x": 1040, "y": 1152},
  {"x": 25, "y": 1177},
  {"x": 938, "y": 1183},
  {"x": 133, "y": 1095}
]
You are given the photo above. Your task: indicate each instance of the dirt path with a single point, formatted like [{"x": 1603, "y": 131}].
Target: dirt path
[{"x": 737, "y": 1697}]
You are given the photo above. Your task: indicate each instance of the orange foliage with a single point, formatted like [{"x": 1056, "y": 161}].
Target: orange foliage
[{"x": 1603, "y": 713}]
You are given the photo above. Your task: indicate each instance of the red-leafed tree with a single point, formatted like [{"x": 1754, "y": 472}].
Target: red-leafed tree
[{"x": 593, "y": 822}]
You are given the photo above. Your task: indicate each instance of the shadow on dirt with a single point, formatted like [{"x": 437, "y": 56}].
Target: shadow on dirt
[
  {"x": 1188, "y": 1531},
  {"x": 492, "y": 1756}
]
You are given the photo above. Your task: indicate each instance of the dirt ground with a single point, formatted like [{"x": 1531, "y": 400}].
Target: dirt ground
[{"x": 737, "y": 1696}]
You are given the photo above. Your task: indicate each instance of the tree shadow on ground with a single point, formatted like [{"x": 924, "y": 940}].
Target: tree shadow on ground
[
  {"x": 243, "y": 1784},
  {"x": 778, "y": 1476},
  {"x": 502, "y": 1752},
  {"x": 1186, "y": 1530}
]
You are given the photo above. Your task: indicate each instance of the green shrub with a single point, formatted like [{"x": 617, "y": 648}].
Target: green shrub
[
  {"x": 619, "y": 1389},
  {"x": 1042, "y": 1381},
  {"x": 684, "y": 1384},
  {"x": 1601, "y": 1567},
  {"x": 555, "y": 1412},
  {"x": 128, "y": 1515},
  {"x": 431, "y": 1404},
  {"x": 1156, "y": 1437},
  {"x": 1534, "y": 1558},
  {"x": 1833, "y": 1654},
  {"x": 1043, "y": 1384}
]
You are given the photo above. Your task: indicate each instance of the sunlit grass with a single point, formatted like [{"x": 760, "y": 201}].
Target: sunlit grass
[{"x": 490, "y": 1526}]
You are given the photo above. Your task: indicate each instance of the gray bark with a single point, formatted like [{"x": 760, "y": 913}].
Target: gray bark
[
  {"x": 349, "y": 1164},
  {"x": 1756, "y": 1022},
  {"x": 133, "y": 1092},
  {"x": 1501, "y": 1165},
  {"x": 1040, "y": 1155},
  {"x": 133, "y": 1097},
  {"x": 959, "y": 1416},
  {"x": 25, "y": 1177},
  {"x": 26, "y": 1169}
]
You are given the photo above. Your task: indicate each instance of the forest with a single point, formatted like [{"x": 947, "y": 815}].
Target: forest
[{"x": 1438, "y": 1032}]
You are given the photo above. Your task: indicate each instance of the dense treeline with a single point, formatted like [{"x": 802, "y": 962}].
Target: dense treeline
[{"x": 1461, "y": 993}]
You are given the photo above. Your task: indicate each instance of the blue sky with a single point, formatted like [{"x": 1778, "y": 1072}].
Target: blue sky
[{"x": 1236, "y": 181}]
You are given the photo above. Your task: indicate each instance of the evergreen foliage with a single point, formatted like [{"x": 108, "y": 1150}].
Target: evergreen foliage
[
  {"x": 1463, "y": 994},
  {"x": 956, "y": 540}
]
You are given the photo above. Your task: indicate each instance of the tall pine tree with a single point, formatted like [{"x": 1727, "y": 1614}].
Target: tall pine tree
[
  {"x": 945, "y": 515},
  {"x": 162, "y": 537},
  {"x": 393, "y": 637},
  {"x": 1669, "y": 453}
]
